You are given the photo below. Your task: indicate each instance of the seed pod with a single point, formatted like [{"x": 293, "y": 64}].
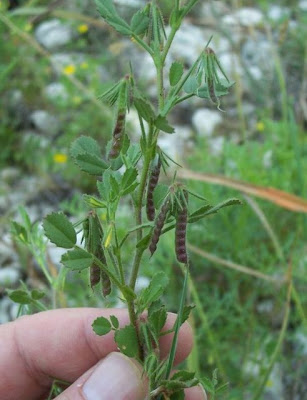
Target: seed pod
[
  {"x": 152, "y": 183},
  {"x": 160, "y": 220},
  {"x": 211, "y": 90},
  {"x": 181, "y": 231},
  {"x": 106, "y": 284},
  {"x": 118, "y": 134},
  {"x": 94, "y": 275}
]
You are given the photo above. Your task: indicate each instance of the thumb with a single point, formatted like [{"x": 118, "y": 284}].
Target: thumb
[{"x": 116, "y": 377}]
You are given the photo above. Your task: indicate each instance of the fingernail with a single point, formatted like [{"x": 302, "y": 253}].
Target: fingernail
[
  {"x": 116, "y": 377},
  {"x": 203, "y": 391}
]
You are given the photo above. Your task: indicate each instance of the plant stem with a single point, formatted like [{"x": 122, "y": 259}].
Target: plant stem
[{"x": 134, "y": 322}]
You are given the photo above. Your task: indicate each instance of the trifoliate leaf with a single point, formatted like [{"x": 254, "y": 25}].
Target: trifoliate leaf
[
  {"x": 176, "y": 73},
  {"x": 59, "y": 230},
  {"x": 127, "y": 341},
  {"x": 101, "y": 326},
  {"x": 85, "y": 144},
  {"x": 77, "y": 259},
  {"x": 162, "y": 124}
]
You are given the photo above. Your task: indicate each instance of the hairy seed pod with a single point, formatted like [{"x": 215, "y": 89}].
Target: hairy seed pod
[
  {"x": 160, "y": 220},
  {"x": 118, "y": 134},
  {"x": 181, "y": 231},
  {"x": 152, "y": 183},
  {"x": 106, "y": 284},
  {"x": 94, "y": 275},
  {"x": 211, "y": 90}
]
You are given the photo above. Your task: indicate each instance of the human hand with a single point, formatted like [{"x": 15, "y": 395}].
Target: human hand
[{"x": 61, "y": 344}]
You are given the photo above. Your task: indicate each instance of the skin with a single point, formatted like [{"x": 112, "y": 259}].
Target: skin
[{"x": 61, "y": 343}]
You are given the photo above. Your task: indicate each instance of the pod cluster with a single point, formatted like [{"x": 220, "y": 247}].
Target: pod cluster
[
  {"x": 152, "y": 183},
  {"x": 181, "y": 229},
  {"x": 160, "y": 221}
]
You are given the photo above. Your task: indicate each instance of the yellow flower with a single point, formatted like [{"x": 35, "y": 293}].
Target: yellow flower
[
  {"x": 260, "y": 126},
  {"x": 269, "y": 383},
  {"x": 60, "y": 158},
  {"x": 69, "y": 69},
  {"x": 82, "y": 28},
  {"x": 84, "y": 65}
]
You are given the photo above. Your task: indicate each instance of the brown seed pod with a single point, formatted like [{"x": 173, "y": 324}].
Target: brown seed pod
[
  {"x": 152, "y": 183},
  {"x": 212, "y": 94},
  {"x": 106, "y": 284},
  {"x": 118, "y": 134},
  {"x": 181, "y": 231},
  {"x": 94, "y": 275},
  {"x": 160, "y": 220}
]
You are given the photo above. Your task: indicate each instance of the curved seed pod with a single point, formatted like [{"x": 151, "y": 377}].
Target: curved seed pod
[
  {"x": 119, "y": 129},
  {"x": 160, "y": 220},
  {"x": 94, "y": 275},
  {"x": 181, "y": 231},
  {"x": 152, "y": 183}
]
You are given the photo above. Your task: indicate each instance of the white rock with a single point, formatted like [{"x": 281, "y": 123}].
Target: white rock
[
  {"x": 141, "y": 283},
  {"x": 129, "y": 3},
  {"x": 231, "y": 65},
  {"x": 276, "y": 12},
  {"x": 267, "y": 161},
  {"x": 56, "y": 91},
  {"x": 9, "y": 276},
  {"x": 174, "y": 145},
  {"x": 53, "y": 33},
  {"x": 205, "y": 121},
  {"x": 246, "y": 16},
  {"x": 60, "y": 60},
  {"x": 274, "y": 386},
  {"x": 9, "y": 174},
  {"x": 303, "y": 5},
  {"x": 45, "y": 122},
  {"x": 301, "y": 342}
]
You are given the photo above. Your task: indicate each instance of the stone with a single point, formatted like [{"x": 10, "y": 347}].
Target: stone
[
  {"x": 246, "y": 16},
  {"x": 56, "y": 91},
  {"x": 174, "y": 145},
  {"x": 9, "y": 174},
  {"x": 302, "y": 5},
  {"x": 53, "y": 34},
  {"x": 205, "y": 121},
  {"x": 216, "y": 145},
  {"x": 258, "y": 52},
  {"x": 45, "y": 122},
  {"x": 142, "y": 282},
  {"x": 267, "y": 160}
]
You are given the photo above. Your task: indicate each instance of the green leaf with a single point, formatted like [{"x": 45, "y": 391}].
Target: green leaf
[
  {"x": 176, "y": 73},
  {"x": 19, "y": 296},
  {"x": 159, "y": 194},
  {"x": 181, "y": 380},
  {"x": 154, "y": 291},
  {"x": 191, "y": 85},
  {"x": 157, "y": 319},
  {"x": 114, "y": 321},
  {"x": 85, "y": 144},
  {"x": 59, "y": 230},
  {"x": 208, "y": 385},
  {"x": 186, "y": 313},
  {"x": 162, "y": 124},
  {"x": 144, "y": 242},
  {"x": 37, "y": 294},
  {"x": 77, "y": 259},
  {"x": 144, "y": 109},
  {"x": 139, "y": 23},
  {"x": 109, "y": 13},
  {"x": 91, "y": 164},
  {"x": 128, "y": 179},
  {"x": 179, "y": 395},
  {"x": 93, "y": 202},
  {"x": 128, "y": 293},
  {"x": 197, "y": 215},
  {"x": 130, "y": 189},
  {"x": 101, "y": 326},
  {"x": 127, "y": 341}
]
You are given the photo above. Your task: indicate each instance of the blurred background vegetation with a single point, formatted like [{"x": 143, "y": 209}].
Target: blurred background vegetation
[{"x": 57, "y": 57}]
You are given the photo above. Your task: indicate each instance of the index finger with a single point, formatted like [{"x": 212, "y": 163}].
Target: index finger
[{"x": 61, "y": 344}]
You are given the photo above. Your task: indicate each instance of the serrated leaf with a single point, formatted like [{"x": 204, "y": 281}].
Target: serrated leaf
[
  {"x": 181, "y": 380},
  {"x": 114, "y": 321},
  {"x": 37, "y": 294},
  {"x": 128, "y": 178},
  {"x": 59, "y": 230},
  {"x": 85, "y": 144},
  {"x": 156, "y": 288},
  {"x": 91, "y": 164},
  {"x": 127, "y": 341},
  {"x": 101, "y": 326},
  {"x": 109, "y": 13},
  {"x": 157, "y": 319},
  {"x": 186, "y": 313},
  {"x": 176, "y": 73},
  {"x": 77, "y": 259},
  {"x": 179, "y": 395},
  {"x": 130, "y": 189},
  {"x": 139, "y": 22},
  {"x": 162, "y": 124},
  {"x": 19, "y": 296},
  {"x": 144, "y": 109},
  {"x": 128, "y": 293}
]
